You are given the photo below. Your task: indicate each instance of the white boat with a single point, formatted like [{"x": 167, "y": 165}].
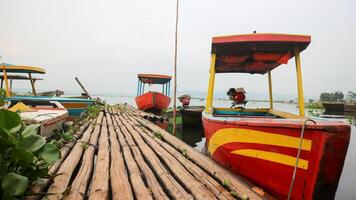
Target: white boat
[{"x": 51, "y": 115}]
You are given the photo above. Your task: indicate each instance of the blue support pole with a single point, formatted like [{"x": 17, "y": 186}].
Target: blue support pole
[
  {"x": 169, "y": 88},
  {"x": 143, "y": 88},
  {"x": 138, "y": 88}
]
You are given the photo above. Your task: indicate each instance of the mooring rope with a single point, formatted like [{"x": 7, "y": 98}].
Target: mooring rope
[{"x": 298, "y": 156}]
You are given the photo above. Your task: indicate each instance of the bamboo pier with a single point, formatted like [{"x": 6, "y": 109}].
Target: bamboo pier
[{"x": 121, "y": 155}]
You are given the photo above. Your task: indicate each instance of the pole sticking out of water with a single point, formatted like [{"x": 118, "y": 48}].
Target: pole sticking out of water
[{"x": 175, "y": 72}]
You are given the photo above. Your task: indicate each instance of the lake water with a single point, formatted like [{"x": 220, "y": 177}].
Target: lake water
[{"x": 195, "y": 137}]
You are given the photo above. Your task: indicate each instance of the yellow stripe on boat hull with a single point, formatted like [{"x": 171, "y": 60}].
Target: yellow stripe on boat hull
[
  {"x": 230, "y": 135},
  {"x": 273, "y": 157}
]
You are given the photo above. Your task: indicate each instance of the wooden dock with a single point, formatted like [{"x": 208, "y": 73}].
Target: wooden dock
[{"x": 121, "y": 155}]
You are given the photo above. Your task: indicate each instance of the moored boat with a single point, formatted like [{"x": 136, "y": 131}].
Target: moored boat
[
  {"x": 288, "y": 155},
  {"x": 75, "y": 106},
  {"x": 191, "y": 116},
  {"x": 339, "y": 107},
  {"x": 49, "y": 114},
  {"x": 152, "y": 101}
]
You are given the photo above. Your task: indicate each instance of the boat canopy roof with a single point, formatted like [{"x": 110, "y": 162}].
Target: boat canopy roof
[
  {"x": 255, "y": 53},
  {"x": 21, "y": 69},
  {"x": 19, "y": 77},
  {"x": 154, "y": 78}
]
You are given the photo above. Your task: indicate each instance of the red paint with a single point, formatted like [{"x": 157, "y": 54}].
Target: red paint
[
  {"x": 326, "y": 159},
  {"x": 262, "y": 37},
  {"x": 255, "y": 53},
  {"x": 152, "y": 100}
]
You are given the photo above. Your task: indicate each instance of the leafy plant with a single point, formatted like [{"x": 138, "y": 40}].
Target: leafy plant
[
  {"x": 314, "y": 105},
  {"x": 184, "y": 152},
  {"x": 24, "y": 155},
  {"x": 2, "y": 97},
  {"x": 158, "y": 135}
]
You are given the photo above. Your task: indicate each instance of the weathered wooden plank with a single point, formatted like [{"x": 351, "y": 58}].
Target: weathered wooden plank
[
  {"x": 149, "y": 176},
  {"x": 82, "y": 179},
  {"x": 204, "y": 162},
  {"x": 171, "y": 186},
  {"x": 63, "y": 175},
  {"x": 140, "y": 190},
  {"x": 120, "y": 184},
  {"x": 100, "y": 183},
  {"x": 217, "y": 189},
  {"x": 185, "y": 178},
  {"x": 64, "y": 151}
]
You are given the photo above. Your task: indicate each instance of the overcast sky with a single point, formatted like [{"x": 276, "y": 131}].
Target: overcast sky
[{"x": 106, "y": 43}]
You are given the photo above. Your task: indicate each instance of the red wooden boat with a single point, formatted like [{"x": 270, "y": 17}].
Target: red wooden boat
[
  {"x": 288, "y": 155},
  {"x": 151, "y": 101}
]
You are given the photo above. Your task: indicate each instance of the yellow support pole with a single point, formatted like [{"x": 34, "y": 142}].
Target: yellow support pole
[
  {"x": 209, "y": 99},
  {"x": 300, "y": 82},
  {"x": 32, "y": 84},
  {"x": 270, "y": 90},
  {"x": 7, "y": 88}
]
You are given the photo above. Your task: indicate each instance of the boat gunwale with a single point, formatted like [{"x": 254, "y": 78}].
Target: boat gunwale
[{"x": 329, "y": 126}]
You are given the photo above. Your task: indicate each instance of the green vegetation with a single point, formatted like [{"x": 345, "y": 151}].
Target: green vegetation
[
  {"x": 226, "y": 183},
  {"x": 314, "y": 105},
  {"x": 24, "y": 155},
  {"x": 332, "y": 97},
  {"x": 185, "y": 153},
  {"x": 2, "y": 97},
  {"x": 351, "y": 97},
  {"x": 158, "y": 135}
]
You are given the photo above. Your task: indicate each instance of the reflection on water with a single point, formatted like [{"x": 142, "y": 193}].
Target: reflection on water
[{"x": 195, "y": 137}]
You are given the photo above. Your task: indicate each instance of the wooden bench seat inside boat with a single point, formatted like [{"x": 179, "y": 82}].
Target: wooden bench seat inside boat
[{"x": 253, "y": 113}]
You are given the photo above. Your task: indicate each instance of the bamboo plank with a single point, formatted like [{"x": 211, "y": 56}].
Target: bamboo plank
[
  {"x": 100, "y": 183},
  {"x": 171, "y": 186},
  {"x": 63, "y": 175},
  {"x": 136, "y": 180},
  {"x": 64, "y": 151},
  {"x": 149, "y": 176},
  {"x": 217, "y": 189},
  {"x": 81, "y": 181},
  {"x": 185, "y": 178},
  {"x": 207, "y": 164},
  {"x": 120, "y": 185}
]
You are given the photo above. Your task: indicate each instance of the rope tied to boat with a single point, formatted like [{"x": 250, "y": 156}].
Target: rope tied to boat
[{"x": 298, "y": 156}]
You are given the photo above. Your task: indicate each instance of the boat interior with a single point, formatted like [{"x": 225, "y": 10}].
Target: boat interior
[{"x": 241, "y": 112}]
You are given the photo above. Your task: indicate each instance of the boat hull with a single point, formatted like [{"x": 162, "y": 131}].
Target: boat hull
[
  {"x": 334, "y": 107},
  {"x": 50, "y": 115},
  {"x": 191, "y": 116},
  {"x": 264, "y": 152},
  {"x": 152, "y": 102},
  {"x": 75, "y": 106}
]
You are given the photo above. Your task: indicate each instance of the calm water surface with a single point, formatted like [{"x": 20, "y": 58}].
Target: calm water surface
[{"x": 195, "y": 138}]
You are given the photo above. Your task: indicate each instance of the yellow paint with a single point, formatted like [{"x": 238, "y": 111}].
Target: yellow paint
[
  {"x": 271, "y": 156},
  {"x": 300, "y": 82},
  {"x": 74, "y": 105},
  {"x": 230, "y": 135},
  {"x": 285, "y": 115},
  {"x": 245, "y": 109},
  {"x": 7, "y": 89},
  {"x": 209, "y": 99},
  {"x": 24, "y": 69},
  {"x": 270, "y": 90}
]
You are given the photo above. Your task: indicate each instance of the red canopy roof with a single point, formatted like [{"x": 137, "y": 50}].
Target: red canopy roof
[
  {"x": 255, "y": 53},
  {"x": 154, "y": 78}
]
